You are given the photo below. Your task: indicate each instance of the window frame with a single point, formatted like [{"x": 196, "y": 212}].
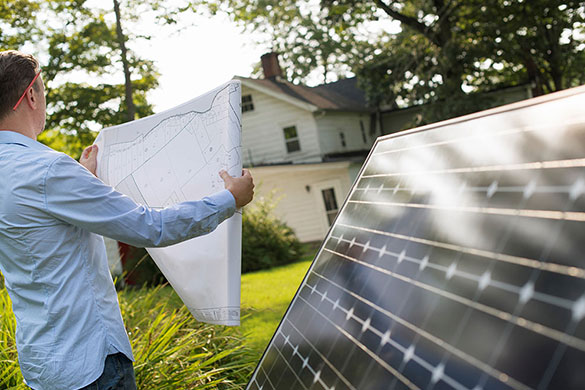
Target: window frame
[
  {"x": 247, "y": 105},
  {"x": 292, "y": 140}
]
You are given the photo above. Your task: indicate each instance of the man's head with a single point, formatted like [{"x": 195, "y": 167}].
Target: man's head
[{"x": 17, "y": 70}]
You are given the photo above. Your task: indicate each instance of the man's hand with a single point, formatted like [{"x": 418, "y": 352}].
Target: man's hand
[
  {"x": 242, "y": 188},
  {"x": 89, "y": 158}
]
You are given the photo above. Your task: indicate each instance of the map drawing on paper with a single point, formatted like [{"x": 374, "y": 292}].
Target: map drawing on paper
[{"x": 176, "y": 156}]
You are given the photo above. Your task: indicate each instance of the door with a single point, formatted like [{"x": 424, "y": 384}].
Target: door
[{"x": 328, "y": 197}]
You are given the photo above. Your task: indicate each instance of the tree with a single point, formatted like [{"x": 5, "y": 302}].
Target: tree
[
  {"x": 310, "y": 42},
  {"x": 79, "y": 48},
  {"x": 445, "y": 49},
  {"x": 131, "y": 110},
  {"x": 16, "y": 22},
  {"x": 543, "y": 39}
]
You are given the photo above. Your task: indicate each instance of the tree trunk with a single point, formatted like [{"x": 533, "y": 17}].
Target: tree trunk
[{"x": 130, "y": 108}]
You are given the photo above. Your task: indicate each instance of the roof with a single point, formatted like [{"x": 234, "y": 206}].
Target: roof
[{"x": 342, "y": 95}]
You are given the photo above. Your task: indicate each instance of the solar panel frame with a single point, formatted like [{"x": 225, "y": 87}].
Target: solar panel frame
[{"x": 511, "y": 260}]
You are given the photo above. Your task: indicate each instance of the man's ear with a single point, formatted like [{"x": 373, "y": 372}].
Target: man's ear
[{"x": 32, "y": 98}]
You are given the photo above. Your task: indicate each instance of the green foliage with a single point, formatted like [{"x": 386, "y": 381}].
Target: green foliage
[
  {"x": 80, "y": 56},
  {"x": 15, "y": 22},
  {"x": 174, "y": 351},
  {"x": 267, "y": 241},
  {"x": 443, "y": 52},
  {"x": 9, "y": 370},
  {"x": 171, "y": 349}
]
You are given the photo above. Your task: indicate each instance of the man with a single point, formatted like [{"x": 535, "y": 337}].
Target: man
[{"x": 70, "y": 333}]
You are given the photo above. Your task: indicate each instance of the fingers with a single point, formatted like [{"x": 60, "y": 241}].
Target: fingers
[
  {"x": 245, "y": 173},
  {"x": 86, "y": 151},
  {"x": 89, "y": 150},
  {"x": 89, "y": 158},
  {"x": 224, "y": 175}
]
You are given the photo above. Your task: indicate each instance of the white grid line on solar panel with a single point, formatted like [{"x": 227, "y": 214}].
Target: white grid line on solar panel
[
  {"x": 553, "y": 363},
  {"x": 323, "y": 358},
  {"x": 524, "y": 293},
  {"x": 523, "y": 261},
  {"x": 516, "y": 320},
  {"x": 478, "y": 137},
  {"x": 408, "y": 353},
  {"x": 356, "y": 342},
  {"x": 255, "y": 378},
  {"x": 267, "y": 379},
  {"x": 305, "y": 360},
  {"x": 489, "y": 190},
  {"x": 572, "y": 163},
  {"x": 499, "y": 375},
  {"x": 574, "y": 216},
  {"x": 305, "y": 364}
]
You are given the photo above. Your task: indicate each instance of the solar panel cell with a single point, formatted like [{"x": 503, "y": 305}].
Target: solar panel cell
[{"x": 456, "y": 262}]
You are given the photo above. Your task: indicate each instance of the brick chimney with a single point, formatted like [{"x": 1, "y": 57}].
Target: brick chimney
[{"x": 270, "y": 65}]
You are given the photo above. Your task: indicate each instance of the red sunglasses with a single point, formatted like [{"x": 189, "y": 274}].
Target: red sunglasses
[{"x": 26, "y": 89}]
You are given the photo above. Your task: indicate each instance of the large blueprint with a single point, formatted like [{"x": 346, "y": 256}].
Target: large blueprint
[{"x": 176, "y": 156}]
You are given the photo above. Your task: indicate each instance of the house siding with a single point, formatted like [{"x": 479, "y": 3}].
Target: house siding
[
  {"x": 262, "y": 131},
  {"x": 330, "y": 124},
  {"x": 303, "y": 210}
]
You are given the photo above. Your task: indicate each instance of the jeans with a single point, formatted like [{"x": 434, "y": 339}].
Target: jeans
[{"x": 118, "y": 375}]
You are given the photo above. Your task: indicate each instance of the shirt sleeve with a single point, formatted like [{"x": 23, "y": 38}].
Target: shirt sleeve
[{"x": 74, "y": 195}]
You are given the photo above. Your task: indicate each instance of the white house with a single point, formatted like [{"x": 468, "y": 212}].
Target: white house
[{"x": 307, "y": 143}]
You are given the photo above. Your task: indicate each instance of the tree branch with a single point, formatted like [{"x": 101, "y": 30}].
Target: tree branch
[{"x": 409, "y": 21}]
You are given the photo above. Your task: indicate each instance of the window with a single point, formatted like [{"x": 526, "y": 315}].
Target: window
[
  {"x": 291, "y": 138},
  {"x": 363, "y": 132},
  {"x": 330, "y": 204},
  {"x": 247, "y": 103},
  {"x": 342, "y": 138}
]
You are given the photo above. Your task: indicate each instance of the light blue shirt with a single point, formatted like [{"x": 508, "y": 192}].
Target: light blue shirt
[{"x": 52, "y": 213}]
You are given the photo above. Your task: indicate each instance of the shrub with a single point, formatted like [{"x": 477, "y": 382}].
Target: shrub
[{"x": 266, "y": 240}]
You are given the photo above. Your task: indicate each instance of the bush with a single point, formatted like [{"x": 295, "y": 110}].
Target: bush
[{"x": 266, "y": 240}]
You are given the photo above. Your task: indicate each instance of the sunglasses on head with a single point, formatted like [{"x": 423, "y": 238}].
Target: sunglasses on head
[{"x": 25, "y": 90}]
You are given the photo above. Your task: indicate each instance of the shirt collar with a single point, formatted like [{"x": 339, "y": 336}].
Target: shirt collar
[{"x": 12, "y": 137}]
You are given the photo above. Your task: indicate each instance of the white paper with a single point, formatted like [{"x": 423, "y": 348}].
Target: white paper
[{"x": 176, "y": 156}]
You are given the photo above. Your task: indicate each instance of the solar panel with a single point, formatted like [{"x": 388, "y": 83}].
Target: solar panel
[{"x": 456, "y": 262}]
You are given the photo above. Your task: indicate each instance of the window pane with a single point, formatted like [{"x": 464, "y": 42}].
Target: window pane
[
  {"x": 331, "y": 217},
  {"x": 290, "y": 132},
  {"x": 247, "y": 104},
  {"x": 363, "y": 131},
  {"x": 293, "y": 146},
  {"x": 329, "y": 199}
]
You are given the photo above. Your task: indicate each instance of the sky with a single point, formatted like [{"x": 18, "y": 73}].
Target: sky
[
  {"x": 199, "y": 58},
  {"x": 209, "y": 53}
]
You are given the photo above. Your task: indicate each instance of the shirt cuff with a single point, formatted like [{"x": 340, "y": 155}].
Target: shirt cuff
[{"x": 224, "y": 200}]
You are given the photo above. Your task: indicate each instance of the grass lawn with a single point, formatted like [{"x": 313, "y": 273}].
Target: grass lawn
[{"x": 265, "y": 297}]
